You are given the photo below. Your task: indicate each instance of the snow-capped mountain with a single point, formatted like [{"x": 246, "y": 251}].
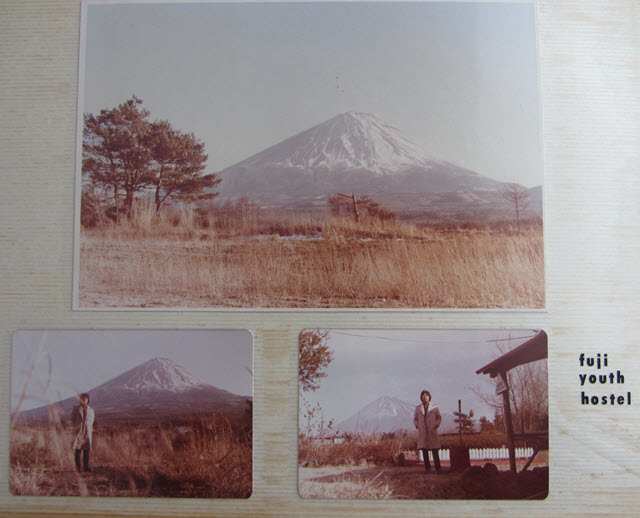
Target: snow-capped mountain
[
  {"x": 158, "y": 388},
  {"x": 385, "y": 414},
  {"x": 348, "y": 141},
  {"x": 156, "y": 374},
  {"x": 352, "y": 152},
  {"x": 388, "y": 414}
]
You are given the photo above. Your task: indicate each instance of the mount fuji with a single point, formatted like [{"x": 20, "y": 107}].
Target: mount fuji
[
  {"x": 388, "y": 414},
  {"x": 356, "y": 153},
  {"x": 158, "y": 388}
]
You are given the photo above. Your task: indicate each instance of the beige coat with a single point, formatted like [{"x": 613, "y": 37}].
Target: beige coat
[
  {"x": 427, "y": 424},
  {"x": 84, "y": 427}
]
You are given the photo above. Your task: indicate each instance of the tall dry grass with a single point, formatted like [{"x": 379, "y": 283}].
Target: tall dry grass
[
  {"x": 185, "y": 223},
  {"x": 383, "y": 449},
  {"x": 355, "y": 451},
  {"x": 301, "y": 261},
  {"x": 347, "y": 487},
  {"x": 211, "y": 461}
]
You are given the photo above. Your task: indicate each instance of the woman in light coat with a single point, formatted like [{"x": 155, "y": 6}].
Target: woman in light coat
[
  {"x": 82, "y": 418},
  {"x": 426, "y": 419}
]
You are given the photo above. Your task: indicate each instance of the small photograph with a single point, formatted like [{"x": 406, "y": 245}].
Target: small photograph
[
  {"x": 132, "y": 413},
  {"x": 423, "y": 414},
  {"x": 309, "y": 155}
]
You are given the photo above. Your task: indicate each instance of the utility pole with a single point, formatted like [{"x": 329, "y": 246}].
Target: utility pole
[
  {"x": 460, "y": 421},
  {"x": 355, "y": 204}
]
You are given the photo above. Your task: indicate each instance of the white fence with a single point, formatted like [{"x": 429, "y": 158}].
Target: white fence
[
  {"x": 485, "y": 454},
  {"x": 499, "y": 453}
]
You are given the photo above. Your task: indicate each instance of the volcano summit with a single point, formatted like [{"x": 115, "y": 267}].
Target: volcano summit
[
  {"x": 158, "y": 388},
  {"x": 352, "y": 152},
  {"x": 388, "y": 414}
]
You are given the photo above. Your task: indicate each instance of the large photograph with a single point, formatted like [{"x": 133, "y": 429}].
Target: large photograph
[
  {"x": 309, "y": 155},
  {"x": 423, "y": 414},
  {"x": 132, "y": 413}
]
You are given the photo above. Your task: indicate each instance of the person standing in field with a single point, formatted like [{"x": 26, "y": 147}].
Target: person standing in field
[
  {"x": 426, "y": 419},
  {"x": 82, "y": 418}
]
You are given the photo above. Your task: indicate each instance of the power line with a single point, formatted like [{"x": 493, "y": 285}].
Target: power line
[{"x": 431, "y": 341}]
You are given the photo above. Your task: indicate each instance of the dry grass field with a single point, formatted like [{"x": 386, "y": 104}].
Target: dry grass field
[
  {"x": 300, "y": 262},
  {"x": 210, "y": 460}
]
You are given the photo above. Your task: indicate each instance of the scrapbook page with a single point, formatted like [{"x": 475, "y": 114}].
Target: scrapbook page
[{"x": 319, "y": 258}]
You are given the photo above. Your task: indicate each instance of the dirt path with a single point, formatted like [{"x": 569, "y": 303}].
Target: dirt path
[
  {"x": 396, "y": 482},
  {"x": 411, "y": 482}
]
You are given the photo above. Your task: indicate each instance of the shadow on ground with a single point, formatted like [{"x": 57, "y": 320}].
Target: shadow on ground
[{"x": 411, "y": 482}]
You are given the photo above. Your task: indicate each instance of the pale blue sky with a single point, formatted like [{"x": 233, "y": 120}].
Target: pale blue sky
[
  {"x": 82, "y": 360},
  {"x": 460, "y": 79},
  {"x": 368, "y": 364}
]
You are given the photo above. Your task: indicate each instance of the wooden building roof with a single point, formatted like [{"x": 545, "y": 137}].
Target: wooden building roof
[{"x": 532, "y": 350}]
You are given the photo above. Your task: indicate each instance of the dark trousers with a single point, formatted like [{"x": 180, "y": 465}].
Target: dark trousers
[
  {"x": 436, "y": 459},
  {"x": 85, "y": 460}
]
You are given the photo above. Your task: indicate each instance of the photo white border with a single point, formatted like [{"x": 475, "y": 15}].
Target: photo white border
[
  {"x": 252, "y": 336},
  {"x": 78, "y": 197},
  {"x": 590, "y": 85}
]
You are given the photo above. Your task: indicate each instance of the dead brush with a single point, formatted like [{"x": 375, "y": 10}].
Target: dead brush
[
  {"x": 179, "y": 223},
  {"x": 146, "y": 460},
  {"x": 372, "y": 263},
  {"x": 347, "y": 487},
  {"x": 356, "y": 450},
  {"x": 40, "y": 451},
  {"x": 208, "y": 462},
  {"x": 41, "y": 460}
]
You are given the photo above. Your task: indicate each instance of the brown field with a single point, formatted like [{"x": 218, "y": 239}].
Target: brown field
[
  {"x": 309, "y": 263},
  {"x": 211, "y": 460}
]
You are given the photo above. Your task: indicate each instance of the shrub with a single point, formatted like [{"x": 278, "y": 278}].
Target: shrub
[
  {"x": 93, "y": 212},
  {"x": 354, "y": 451},
  {"x": 475, "y": 440},
  {"x": 209, "y": 458}
]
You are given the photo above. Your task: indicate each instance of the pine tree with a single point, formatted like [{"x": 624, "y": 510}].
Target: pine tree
[
  {"x": 125, "y": 154},
  {"x": 116, "y": 157},
  {"x": 178, "y": 162}
]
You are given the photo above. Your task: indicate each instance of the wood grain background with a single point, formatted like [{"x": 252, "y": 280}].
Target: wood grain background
[{"x": 590, "y": 80}]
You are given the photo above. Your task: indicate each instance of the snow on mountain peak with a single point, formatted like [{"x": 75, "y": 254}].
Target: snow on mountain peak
[
  {"x": 386, "y": 406},
  {"x": 351, "y": 140},
  {"x": 158, "y": 374},
  {"x": 391, "y": 406},
  {"x": 385, "y": 414}
]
